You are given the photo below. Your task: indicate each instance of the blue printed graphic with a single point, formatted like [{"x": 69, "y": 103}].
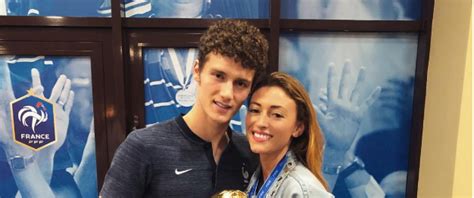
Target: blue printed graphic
[
  {"x": 370, "y": 116},
  {"x": 242, "y": 9},
  {"x": 68, "y": 164},
  {"x": 69, "y": 8},
  {"x": 351, "y": 10},
  {"x": 33, "y": 122}
]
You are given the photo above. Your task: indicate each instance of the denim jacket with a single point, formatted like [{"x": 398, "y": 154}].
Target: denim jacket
[{"x": 294, "y": 181}]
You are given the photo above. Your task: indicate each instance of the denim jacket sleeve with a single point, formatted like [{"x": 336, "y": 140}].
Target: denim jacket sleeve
[{"x": 298, "y": 184}]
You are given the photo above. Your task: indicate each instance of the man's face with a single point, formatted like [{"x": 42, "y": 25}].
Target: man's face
[{"x": 222, "y": 87}]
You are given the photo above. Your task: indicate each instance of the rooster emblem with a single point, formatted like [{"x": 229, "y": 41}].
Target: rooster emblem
[{"x": 31, "y": 112}]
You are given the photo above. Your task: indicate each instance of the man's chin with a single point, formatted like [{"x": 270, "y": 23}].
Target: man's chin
[{"x": 222, "y": 119}]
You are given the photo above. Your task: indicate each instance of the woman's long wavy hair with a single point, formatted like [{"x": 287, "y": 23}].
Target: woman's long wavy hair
[{"x": 308, "y": 147}]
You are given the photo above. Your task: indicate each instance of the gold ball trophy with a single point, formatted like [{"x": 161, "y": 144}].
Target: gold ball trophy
[{"x": 230, "y": 194}]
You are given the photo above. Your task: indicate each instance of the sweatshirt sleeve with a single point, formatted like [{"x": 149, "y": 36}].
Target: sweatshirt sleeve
[{"x": 129, "y": 172}]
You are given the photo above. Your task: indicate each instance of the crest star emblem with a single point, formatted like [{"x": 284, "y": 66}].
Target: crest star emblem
[{"x": 33, "y": 123}]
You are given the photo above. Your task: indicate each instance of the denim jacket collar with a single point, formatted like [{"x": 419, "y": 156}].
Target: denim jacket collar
[{"x": 289, "y": 166}]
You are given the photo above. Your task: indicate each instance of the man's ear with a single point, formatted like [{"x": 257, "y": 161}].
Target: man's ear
[
  {"x": 196, "y": 71},
  {"x": 298, "y": 131}
]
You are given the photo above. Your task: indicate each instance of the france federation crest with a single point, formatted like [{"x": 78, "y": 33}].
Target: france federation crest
[{"x": 33, "y": 122}]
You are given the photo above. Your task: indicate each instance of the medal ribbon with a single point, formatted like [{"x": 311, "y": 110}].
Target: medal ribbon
[
  {"x": 268, "y": 183},
  {"x": 183, "y": 80}
]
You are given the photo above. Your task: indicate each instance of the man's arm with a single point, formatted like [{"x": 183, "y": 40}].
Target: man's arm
[
  {"x": 361, "y": 184},
  {"x": 23, "y": 162},
  {"x": 129, "y": 170},
  {"x": 84, "y": 177},
  {"x": 27, "y": 174}
]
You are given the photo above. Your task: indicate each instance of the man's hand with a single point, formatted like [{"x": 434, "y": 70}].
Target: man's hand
[
  {"x": 340, "y": 112},
  {"x": 62, "y": 98}
]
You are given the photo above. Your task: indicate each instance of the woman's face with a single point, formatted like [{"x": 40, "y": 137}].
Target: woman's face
[{"x": 271, "y": 121}]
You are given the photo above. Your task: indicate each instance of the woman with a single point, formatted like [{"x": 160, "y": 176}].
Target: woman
[{"x": 282, "y": 128}]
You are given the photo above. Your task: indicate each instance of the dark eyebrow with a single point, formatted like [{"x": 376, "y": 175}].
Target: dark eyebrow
[
  {"x": 238, "y": 79},
  {"x": 271, "y": 107},
  {"x": 216, "y": 70},
  {"x": 243, "y": 80},
  {"x": 254, "y": 103},
  {"x": 276, "y": 107}
]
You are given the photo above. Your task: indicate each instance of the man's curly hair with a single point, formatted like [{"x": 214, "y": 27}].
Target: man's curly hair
[{"x": 237, "y": 40}]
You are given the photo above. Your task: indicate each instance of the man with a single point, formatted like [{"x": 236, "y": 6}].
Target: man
[{"x": 197, "y": 155}]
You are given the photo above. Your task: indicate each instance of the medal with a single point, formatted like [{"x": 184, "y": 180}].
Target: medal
[{"x": 186, "y": 95}]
